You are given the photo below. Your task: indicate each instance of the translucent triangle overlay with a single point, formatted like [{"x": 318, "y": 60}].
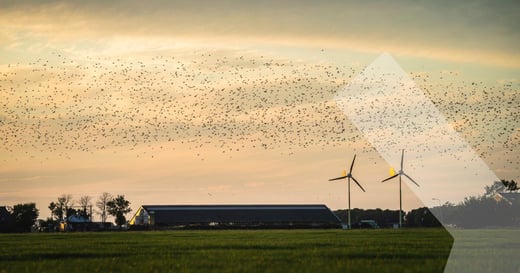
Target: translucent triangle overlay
[{"x": 392, "y": 113}]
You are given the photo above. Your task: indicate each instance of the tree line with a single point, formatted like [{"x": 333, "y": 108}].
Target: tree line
[
  {"x": 420, "y": 217},
  {"x": 499, "y": 206},
  {"x": 23, "y": 217}
]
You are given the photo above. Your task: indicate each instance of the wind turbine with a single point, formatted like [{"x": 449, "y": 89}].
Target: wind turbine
[
  {"x": 348, "y": 176},
  {"x": 401, "y": 173}
]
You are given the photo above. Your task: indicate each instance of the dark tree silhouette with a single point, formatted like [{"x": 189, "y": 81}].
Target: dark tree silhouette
[
  {"x": 510, "y": 186},
  {"x": 85, "y": 202},
  {"x": 61, "y": 209},
  {"x": 500, "y": 187},
  {"x": 119, "y": 207},
  {"x": 421, "y": 217},
  {"x": 384, "y": 218},
  {"x": 499, "y": 206},
  {"x": 24, "y": 216},
  {"x": 47, "y": 225},
  {"x": 101, "y": 204}
]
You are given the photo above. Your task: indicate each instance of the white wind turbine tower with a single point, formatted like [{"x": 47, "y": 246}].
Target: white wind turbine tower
[
  {"x": 400, "y": 173},
  {"x": 348, "y": 177}
]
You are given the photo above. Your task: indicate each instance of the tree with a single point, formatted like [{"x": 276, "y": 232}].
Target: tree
[
  {"x": 56, "y": 212},
  {"x": 118, "y": 207},
  {"x": 24, "y": 216},
  {"x": 47, "y": 225},
  {"x": 421, "y": 217},
  {"x": 494, "y": 188},
  {"x": 497, "y": 207},
  {"x": 511, "y": 186},
  {"x": 62, "y": 207},
  {"x": 101, "y": 204},
  {"x": 71, "y": 211},
  {"x": 86, "y": 206},
  {"x": 384, "y": 218},
  {"x": 500, "y": 187}
]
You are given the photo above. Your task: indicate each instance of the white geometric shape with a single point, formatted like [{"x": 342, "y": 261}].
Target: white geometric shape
[{"x": 393, "y": 114}]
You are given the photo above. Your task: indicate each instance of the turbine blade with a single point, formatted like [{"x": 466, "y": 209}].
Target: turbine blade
[
  {"x": 402, "y": 159},
  {"x": 352, "y": 165},
  {"x": 390, "y": 177},
  {"x": 358, "y": 184},
  {"x": 338, "y": 178},
  {"x": 411, "y": 179}
]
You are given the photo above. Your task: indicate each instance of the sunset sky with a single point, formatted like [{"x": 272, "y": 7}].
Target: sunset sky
[{"x": 231, "y": 102}]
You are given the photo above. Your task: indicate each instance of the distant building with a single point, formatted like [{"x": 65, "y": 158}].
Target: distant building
[
  {"x": 76, "y": 223},
  {"x": 81, "y": 223},
  {"x": 234, "y": 216}
]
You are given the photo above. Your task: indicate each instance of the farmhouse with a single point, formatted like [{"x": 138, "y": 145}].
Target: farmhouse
[{"x": 234, "y": 216}]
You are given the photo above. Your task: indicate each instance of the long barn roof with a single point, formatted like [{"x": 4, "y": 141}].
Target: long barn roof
[{"x": 187, "y": 214}]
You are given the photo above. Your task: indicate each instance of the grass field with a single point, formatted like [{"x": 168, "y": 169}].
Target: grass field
[
  {"x": 384, "y": 250},
  {"x": 485, "y": 250}
]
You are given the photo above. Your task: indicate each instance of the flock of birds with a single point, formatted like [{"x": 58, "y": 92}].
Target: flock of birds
[
  {"x": 486, "y": 116},
  {"x": 215, "y": 100}
]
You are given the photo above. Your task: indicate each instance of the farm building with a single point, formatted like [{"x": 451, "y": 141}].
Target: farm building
[{"x": 234, "y": 216}]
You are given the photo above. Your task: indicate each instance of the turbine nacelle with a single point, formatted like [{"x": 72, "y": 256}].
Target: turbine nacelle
[
  {"x": 349, "y": 175},
  {"x": 401, "y": 172}
]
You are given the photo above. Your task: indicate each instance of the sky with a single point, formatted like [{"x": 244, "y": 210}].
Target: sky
[{"x": 232, "y": 102}]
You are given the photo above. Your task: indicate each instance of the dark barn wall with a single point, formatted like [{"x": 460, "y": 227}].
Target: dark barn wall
[{"x": 243, "y": 216}]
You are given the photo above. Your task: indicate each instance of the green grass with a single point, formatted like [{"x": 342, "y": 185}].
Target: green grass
[
  {"x": 486, "y": 250},
  {"x": 405, "y": 250}
]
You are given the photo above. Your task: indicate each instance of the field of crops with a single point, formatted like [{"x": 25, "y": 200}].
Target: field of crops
[{"x": 384, "y": 250}]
